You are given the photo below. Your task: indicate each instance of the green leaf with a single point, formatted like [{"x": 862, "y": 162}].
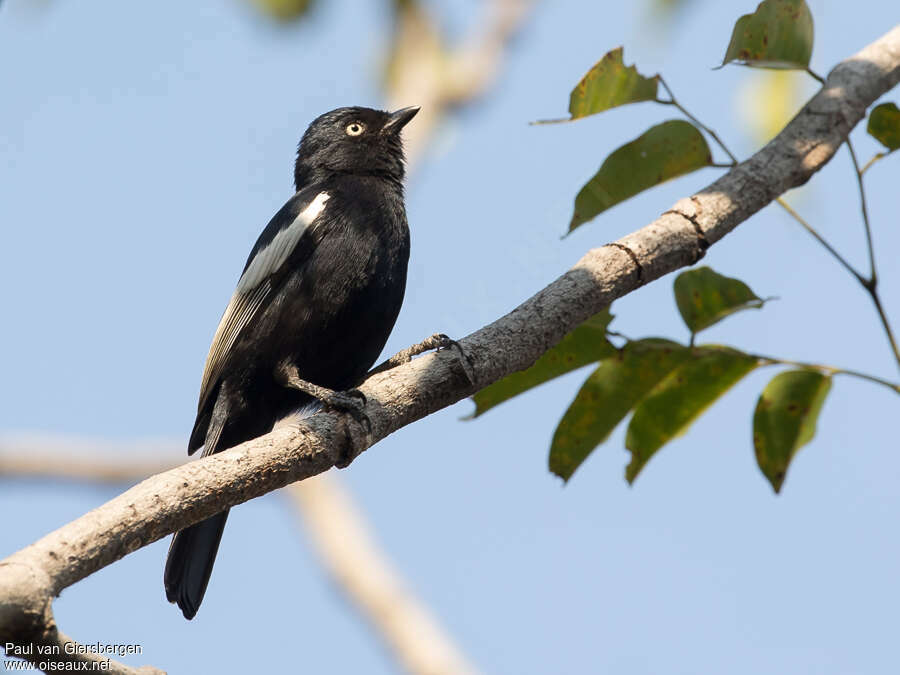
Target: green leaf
[
  {"x": 586, "y": 344},
  {"x": 779, "y": 34},
  {"x": 284, "y": 10},
  {"x": 679, "y": 399},
  {"x": 607, "y": 396},
  {"x": 785, "y": 419},
  {"x": 705, "y": 297},
  {"x": 665, "y": 151},
  {"x": 608, "y": 84},
  {"x": 884, "y": 125}
]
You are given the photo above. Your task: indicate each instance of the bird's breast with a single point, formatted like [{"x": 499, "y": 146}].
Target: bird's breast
[{"x": 339, "y": 308}]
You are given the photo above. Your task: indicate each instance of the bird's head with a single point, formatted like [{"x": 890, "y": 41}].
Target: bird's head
[{"x": 352, "y": 140}]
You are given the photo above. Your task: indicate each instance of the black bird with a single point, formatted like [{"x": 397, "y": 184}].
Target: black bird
[{"x": 315, "y": 303}]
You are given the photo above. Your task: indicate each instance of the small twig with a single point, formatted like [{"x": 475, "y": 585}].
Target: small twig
[
  {"x": 868, "y": 284},
  {"x": 871, "y": 284},
  {"x": 884, "y": 322},
  {"x": 873, "y": 275},
  {"x": 828, "y": 247},
  {"x": 684, "y": 111}
]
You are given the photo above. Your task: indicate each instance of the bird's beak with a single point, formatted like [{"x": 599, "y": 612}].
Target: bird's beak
[{"x": 400, "y": 118}]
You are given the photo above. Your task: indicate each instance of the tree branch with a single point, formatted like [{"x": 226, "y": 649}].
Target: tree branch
[
  {"x": 172, "y": 500},
  {"x": 337, "y": 531},
  {"x": 366, "y": 577}
]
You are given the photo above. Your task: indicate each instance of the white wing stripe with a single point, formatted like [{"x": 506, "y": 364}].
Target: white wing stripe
[
  {"x": 273, "y": 256},
  {"x": 252, "y": 289},
  {"x": 239, "y": 311}
]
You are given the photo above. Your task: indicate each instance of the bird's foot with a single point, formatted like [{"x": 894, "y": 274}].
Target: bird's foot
[
  {"x": 438, "y": 341},
  {"x": 352, "y": 401}
]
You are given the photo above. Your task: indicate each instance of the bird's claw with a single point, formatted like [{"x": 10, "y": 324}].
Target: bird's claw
[
  {"x": 352, "y": 401},
  {"x": 444, "y": 342}
]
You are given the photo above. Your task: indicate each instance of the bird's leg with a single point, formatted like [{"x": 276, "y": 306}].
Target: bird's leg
[
  {"x": 437, "y": 341},
  {"x": 351, "y": 401}
]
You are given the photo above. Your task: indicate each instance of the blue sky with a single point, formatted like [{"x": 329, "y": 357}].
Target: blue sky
[{"x": 146, "y": 146}]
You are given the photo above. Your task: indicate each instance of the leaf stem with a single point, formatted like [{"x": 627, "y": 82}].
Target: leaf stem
[
  {"x": 831, "y": 370},
  {"x": 875, "y": 158},
  {"x": 615, "y": 333},
  {"x": 815, "y": 75},
  {"x": 684, "y": 111}
]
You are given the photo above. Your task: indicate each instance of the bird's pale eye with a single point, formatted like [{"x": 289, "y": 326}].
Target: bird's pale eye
[{"x": 355, "y": 128}]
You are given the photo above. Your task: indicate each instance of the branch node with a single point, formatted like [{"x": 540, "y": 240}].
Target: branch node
[
  {"x": 634, "y": 259},
  {"x": 702, "y": 241}
]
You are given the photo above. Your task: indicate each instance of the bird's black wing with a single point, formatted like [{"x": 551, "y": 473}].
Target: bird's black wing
[{"x": 294, "y": 224}]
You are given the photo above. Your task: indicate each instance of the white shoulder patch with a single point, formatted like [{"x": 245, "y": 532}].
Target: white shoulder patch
[
  {"x": 252, "y": 289},
  {"x": 273, "y": 256}
]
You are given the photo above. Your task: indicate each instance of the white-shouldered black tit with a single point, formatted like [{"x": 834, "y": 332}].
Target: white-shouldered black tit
[{"x": 318, "y": 298}]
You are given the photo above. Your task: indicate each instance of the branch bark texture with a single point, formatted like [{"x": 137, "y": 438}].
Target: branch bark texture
[{"x": 172, "y": 500}]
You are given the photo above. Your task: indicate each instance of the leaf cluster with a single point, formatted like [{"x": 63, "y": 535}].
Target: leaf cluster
[{"x": 665, "y": 385}]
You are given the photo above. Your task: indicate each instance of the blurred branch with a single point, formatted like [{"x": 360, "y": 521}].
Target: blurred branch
[
  {"x": 338, "y": 532},
  {"x": 95, "y": 468},
  {"x": 170, "y": 501},
  {"x": 422, "y": 71},
  {"x": 365, "y": 576}
]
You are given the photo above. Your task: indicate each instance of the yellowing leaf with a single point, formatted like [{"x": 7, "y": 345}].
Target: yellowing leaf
[
  {"x": 610, "y": 392},
  {"x": 785, "y": 419},
  {"x": 665, "y": 151},
  {"x": 679, "y": 399},
  {"x": 608, "y": 84},
  {"x": 779, "y": 34},
  {"x": 884, "y": 125},
  {"x": 705, "y": 297}
]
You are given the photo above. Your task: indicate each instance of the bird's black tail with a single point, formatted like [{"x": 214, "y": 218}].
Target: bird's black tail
[{"x": 190, "y": 562}]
